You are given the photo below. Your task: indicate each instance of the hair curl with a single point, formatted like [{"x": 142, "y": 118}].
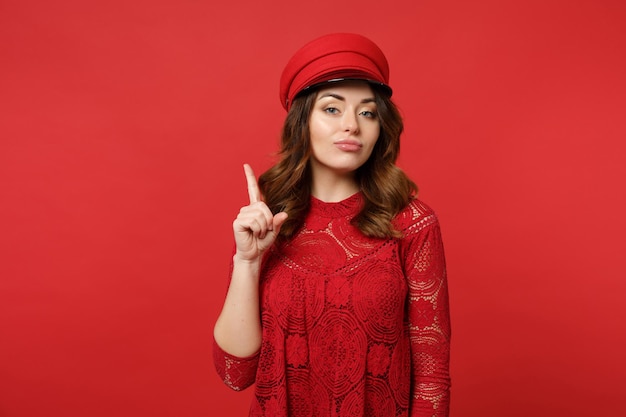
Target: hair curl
[{"x": 386, "y": 189}]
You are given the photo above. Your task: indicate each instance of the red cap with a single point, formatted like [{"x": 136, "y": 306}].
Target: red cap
[{"x": 338, "y": 56}]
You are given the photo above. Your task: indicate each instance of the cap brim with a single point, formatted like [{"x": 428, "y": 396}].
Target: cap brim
[{"x": 384, "y": 87}]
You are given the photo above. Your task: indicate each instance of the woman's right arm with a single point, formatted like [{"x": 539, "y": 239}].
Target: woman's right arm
[{"x": 238, "y": 328}]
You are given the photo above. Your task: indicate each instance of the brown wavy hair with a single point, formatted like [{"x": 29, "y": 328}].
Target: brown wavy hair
[{"x": 386, "y": 188}]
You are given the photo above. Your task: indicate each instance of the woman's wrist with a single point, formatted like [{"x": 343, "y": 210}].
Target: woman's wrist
[{"x": 242, "y": 260}]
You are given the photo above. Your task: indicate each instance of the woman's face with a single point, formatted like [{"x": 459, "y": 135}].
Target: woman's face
[{"x": 343, "y": 127}]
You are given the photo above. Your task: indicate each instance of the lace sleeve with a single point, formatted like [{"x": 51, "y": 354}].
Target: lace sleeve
[
  {"x": 429, "y": 318},
  {"x": 237, "y": 373}
]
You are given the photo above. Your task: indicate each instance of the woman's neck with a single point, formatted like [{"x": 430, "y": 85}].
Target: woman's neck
[{"x": 333, "y": 188}]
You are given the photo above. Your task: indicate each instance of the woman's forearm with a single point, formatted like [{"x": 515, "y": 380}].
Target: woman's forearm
[{"x": 238, "y": 328}]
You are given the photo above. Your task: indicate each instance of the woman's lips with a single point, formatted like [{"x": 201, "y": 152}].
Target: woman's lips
[{"x": 348, "y": 145}]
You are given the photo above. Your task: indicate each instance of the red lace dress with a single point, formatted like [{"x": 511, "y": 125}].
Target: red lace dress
[{"x": 352, "y": 326}]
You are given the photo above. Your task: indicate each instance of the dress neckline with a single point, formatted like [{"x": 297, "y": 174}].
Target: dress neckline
[{"x": 347, "y": 206}]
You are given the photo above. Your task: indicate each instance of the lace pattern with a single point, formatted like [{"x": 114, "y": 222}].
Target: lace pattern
[{"x": 352, "y": 326}]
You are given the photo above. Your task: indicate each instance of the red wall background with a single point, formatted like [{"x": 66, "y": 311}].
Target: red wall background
[{"x": 123, "y": 128}]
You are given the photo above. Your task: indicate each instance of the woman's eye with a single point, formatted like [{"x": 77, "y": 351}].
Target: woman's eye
[
  {"x": 369, "y": 114},
  {"x": 331, "y": 110}
]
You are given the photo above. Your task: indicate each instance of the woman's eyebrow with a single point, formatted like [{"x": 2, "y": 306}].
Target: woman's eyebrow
[
  {"x": 341, "y": 98},
  {"x": 334, "y": 95}
]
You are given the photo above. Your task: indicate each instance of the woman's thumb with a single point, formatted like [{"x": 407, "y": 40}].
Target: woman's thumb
[{"x": 279, "y": 219}]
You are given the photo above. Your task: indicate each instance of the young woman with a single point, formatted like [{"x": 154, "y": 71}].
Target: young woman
[{"x": 337, "y": 303}]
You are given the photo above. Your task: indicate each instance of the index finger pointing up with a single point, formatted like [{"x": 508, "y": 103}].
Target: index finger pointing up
[{"x": 253, "y": 188}]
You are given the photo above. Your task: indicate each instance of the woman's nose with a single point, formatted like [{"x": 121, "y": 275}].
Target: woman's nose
[{"x": 350, "y": 122}]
